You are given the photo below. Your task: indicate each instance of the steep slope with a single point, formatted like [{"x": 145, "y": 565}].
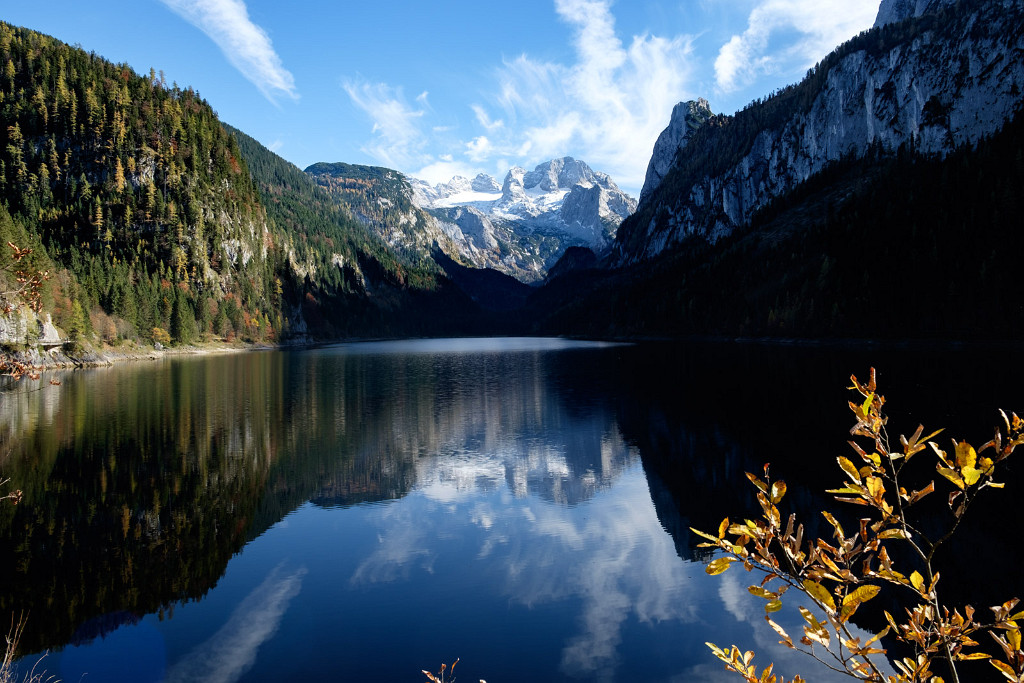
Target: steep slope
[
  {"x": 138, "y": 195},
  {"x": 900, "y": 247},
  {"x": 931, "y": 76},
  {"x": 340, "y": 278},
  {"x": 382, "y": 200}
]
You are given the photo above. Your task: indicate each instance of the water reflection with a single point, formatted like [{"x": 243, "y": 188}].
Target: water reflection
[{"x": 507, "y": 498}]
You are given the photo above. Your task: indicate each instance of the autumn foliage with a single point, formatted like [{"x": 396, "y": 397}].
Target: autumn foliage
[{"x": 835, "y": 577}]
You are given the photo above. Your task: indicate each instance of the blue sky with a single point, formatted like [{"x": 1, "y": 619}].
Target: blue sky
[{"x": 437, "y": 89}]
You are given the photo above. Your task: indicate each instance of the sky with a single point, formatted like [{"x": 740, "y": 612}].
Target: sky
[{"x": 459, "y": 87}]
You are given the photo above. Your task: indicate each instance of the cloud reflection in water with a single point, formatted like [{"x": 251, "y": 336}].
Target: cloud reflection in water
[
  {"x": 231, "y": 651},
  {"x": 609, "y": 553}
]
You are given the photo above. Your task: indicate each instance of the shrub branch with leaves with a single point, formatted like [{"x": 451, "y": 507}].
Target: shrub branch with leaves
[{"x": 836, "y": 577}]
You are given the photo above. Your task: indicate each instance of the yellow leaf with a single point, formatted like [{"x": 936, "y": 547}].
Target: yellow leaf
[
  {"x": 773, "y": 606},
  {"x": 917, "y": 581},
  {"x": 1013, "y": 637},
  {"x": 723, "y": 527},
  {"x": 834, "y": 523},
  {"x": 892, "y": 533},
  {"x": 827, "y": 561},
  {"x": 704, "y": 535},
  {"x": 719, "y": 565},
  {"x": 846, "y": 490},
  {"x": 762, "y": 593},
  {"x": 1004, "y": 668},
  {"x": 971, "y": 475},
  {"x": 819, "y": 636},
  {"x": 861, "y": 595},
  {"x": 757, "y": 482},
  {"x": 820, "y": 593},
  {"x": 875, "y": 487},
  {"x": 854, "y": 599},
  {"x": 965, "y": 455},
  {"x": 778, "y": 491},
  {"x": 951, "y": 475},
  {"x": 778, "y": 629},
  {"x": 849, "y": 468},
  {"x": 973, "y": 655},
  {"x": 866, "y": 406}
]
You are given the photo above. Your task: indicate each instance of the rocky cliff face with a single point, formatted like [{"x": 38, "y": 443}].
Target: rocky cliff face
[
  {"x": 932, "y": 75},
  {"x": 382, "y": 200},
  {"x": 891, "y": 11},
  {"x": 687, "y": 117}
]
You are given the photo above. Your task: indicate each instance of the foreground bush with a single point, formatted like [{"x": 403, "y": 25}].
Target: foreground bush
[{"x": 836, "y": 577}]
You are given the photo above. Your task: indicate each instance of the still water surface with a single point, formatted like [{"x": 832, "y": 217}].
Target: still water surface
[{"x": 365, "y": 511}]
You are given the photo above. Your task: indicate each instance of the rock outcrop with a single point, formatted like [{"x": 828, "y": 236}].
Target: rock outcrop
[
  {"x": 687, "y": 117},
  {"x": 931, "y": 76}
]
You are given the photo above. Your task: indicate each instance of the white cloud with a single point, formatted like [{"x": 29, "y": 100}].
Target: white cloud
[
  {"x": 444, "y": 169},
  {"x": 231, "y": 651},
  {"x": 398, "y": 138},
  {"x": 606, "y": 107},
  {"x": 484, "y": 119},
  {"x": 820, "y": 25},
  {"x": 479, "y": 148},
  {"x": 246, "y": 45}
]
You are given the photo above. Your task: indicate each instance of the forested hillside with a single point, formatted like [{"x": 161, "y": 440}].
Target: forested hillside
[
  {"x": 340, "y": 279},
  {"x": 159, "y": 224},
  {"x": 382, "y": 200},
  {"x": 138, "y": 195}
]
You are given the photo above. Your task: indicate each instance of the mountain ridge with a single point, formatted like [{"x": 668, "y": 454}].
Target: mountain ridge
[{"x": 890, "y": 86}]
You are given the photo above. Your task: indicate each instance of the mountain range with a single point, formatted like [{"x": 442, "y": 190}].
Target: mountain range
[
  {"x": 520, "y": 228},
  {"x": 878, "y": 196}
]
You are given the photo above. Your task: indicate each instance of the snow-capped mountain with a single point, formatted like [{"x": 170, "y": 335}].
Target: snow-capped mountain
[
  {"x": 525, "y": 224},
  {"x": 457, "y": 191}
]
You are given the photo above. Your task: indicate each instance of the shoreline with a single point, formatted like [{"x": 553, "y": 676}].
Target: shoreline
[{"x": 59, "y": 360}]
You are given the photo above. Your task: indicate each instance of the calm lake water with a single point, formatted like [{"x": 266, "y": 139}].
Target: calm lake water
[{"x": 365, "y": 511}]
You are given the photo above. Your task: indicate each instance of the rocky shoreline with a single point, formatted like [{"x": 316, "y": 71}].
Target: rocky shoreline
[{"x": 60, "y": 359}]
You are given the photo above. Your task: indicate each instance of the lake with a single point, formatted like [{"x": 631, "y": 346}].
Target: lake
[{"x": 365, "y": 511}]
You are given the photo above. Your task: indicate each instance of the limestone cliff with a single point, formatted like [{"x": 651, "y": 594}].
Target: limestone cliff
[{"x": 931, "y": 75}]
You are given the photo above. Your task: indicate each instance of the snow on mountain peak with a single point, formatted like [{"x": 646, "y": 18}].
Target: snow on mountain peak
[
  {"x": 533, "y": 215},
  {"x": 485, "y": 183}
]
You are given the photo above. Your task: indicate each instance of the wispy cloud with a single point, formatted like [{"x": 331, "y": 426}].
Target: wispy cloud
[
  {"x": 609, "y": 104},
  {"x": 399, "y": 140},
  {"x": 819, "y": 26},
  {"x": 246, "y": 45},
  {"x": 230, "y": 652},
  {"x": 606, "y": 103}
]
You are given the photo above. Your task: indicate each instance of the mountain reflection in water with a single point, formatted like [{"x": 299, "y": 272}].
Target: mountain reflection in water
[{"x": 375, "y": 508}]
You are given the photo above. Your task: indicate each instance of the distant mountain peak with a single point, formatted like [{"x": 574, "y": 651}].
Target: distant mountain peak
[
  {"x": 524, "y": 224},
  {"x": 485, "y": 183}
]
